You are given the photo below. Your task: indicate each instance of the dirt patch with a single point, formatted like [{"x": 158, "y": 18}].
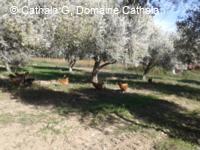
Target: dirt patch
[{"x": 30, "y": 127}]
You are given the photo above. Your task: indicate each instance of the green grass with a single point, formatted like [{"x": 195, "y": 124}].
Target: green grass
[
  {"x": 50, "y": 127},
  {"x": 6, "y": 118},
  {"x": 22, "y": 118},
  {"x": 54, "y": 126},
  {"x": 28, "y": 119},
  {"x": 175, "y": 144}
]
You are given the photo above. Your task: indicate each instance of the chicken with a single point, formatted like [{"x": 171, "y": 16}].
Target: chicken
[
  {"x": 16, "y": 80},
  {"x": 11, "y": 76},
  {"x": 98, "y": 86},
  {"x": 150, "y": 80},
  {"x": 28, "y": 81},
  {"x": 123, "y": 86},
  {"x": 21, "y": 79},
  {"x": 64, "y": 81}
]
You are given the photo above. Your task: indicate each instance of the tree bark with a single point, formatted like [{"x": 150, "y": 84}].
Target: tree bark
[
  {"x": 98, "y": 66},
  {"x": 95, "y": 71},
  {"x": 147, "y": 69},
  {"x": 95, "y": 78},
  {"x": 144, "y": 78},
  {"x": 70, "y": 69},
  {"x": 8, "y": 68},
  {"x": 71, "y": 64}
]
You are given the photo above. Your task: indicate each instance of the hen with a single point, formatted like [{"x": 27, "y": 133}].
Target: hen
[
  {"x": 123, "y": 86},
  {"x": 64, "y": 81},
  {"x": 98, "y": 86},
  {"x": 16, "y": 80},
  {"x": 19, "y": 79},
  {"x": 150, "y": 80}
]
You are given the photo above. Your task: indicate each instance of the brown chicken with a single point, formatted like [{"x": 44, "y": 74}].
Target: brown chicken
[
  {"x": 64, "y": 81},
  {"x": 123, "y": 86},
  {"x": 16, "y": 79},
  {"x": 21, "y": 79},
  {"x": 28, "y": 81},
  {"x": 11, "y": 76},
  {"x": 150, "y": 80},
  {"x": 98, "y": 86}
]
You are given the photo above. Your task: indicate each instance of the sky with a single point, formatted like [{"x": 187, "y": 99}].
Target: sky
[
  {"x": 167, "y": 18},
  {"x": 169, "y": 14}
]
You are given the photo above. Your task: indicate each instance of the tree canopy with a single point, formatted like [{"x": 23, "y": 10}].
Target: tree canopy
[{"x": 188, "y": 44}]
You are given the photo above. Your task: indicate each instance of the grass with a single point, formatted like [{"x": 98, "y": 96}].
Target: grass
[
  {"x": 142, "y": 111},
  {"x": 6, "y": 118},
  {"x": 21, "y": 118},
  {"x": 50, "y": 127},
  {"x": 168, "y": 88},
  {"x": 174, "y": 144},
  {"x": 27, "y": 119}
]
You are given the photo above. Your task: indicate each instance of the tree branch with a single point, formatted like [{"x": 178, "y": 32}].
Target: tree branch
[{"x": 107, "y": 63}]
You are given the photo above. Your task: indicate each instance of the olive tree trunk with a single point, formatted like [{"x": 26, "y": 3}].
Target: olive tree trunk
[
  {"x": 148, "y": 68},
  {"x": 98, "y": 65},
  {"x": 95, "y": 71},
  {"x": 72, "y": 64},
  {"x": 7, "y": 66}
]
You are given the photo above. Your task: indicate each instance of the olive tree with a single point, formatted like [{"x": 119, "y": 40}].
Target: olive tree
[
  {"x": 16, "y": 38},
  {"x": 19, "y": 35},
  {"x": 109, "y": 41},
  {"x": 188, "y": 44},
  {"x": 139, "y": 29},
  {"x": 160, "y": 49},
  {"x": 70, "y": 38},
  {"x": 115, "y": 38},
  {"x": 101, "y": 37}
]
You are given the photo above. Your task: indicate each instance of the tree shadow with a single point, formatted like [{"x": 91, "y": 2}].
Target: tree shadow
[
  {"x": 2, "y": 69},
  {"x": 73, "y": 78},
  {"x": 165, "y": 116},
  {"x": 190, "y": 82},
  {"x": 166, "y": 88},
  {"x": 50, "y": 67},
  {"x": 102, "y": 74},
  {"x": 79, "y": 75},
  {"x": 54, "y": 73},
  {"x": 120, "y": 76}
]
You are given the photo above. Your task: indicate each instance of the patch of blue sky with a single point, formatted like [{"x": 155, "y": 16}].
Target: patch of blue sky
[{"x": 170, "y": 14}]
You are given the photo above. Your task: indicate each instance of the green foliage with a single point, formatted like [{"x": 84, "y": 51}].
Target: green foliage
[{"x": 187, "y": 46}]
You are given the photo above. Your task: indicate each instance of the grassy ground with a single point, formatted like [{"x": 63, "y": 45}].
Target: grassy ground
[{"x": 162, "y": 115}]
